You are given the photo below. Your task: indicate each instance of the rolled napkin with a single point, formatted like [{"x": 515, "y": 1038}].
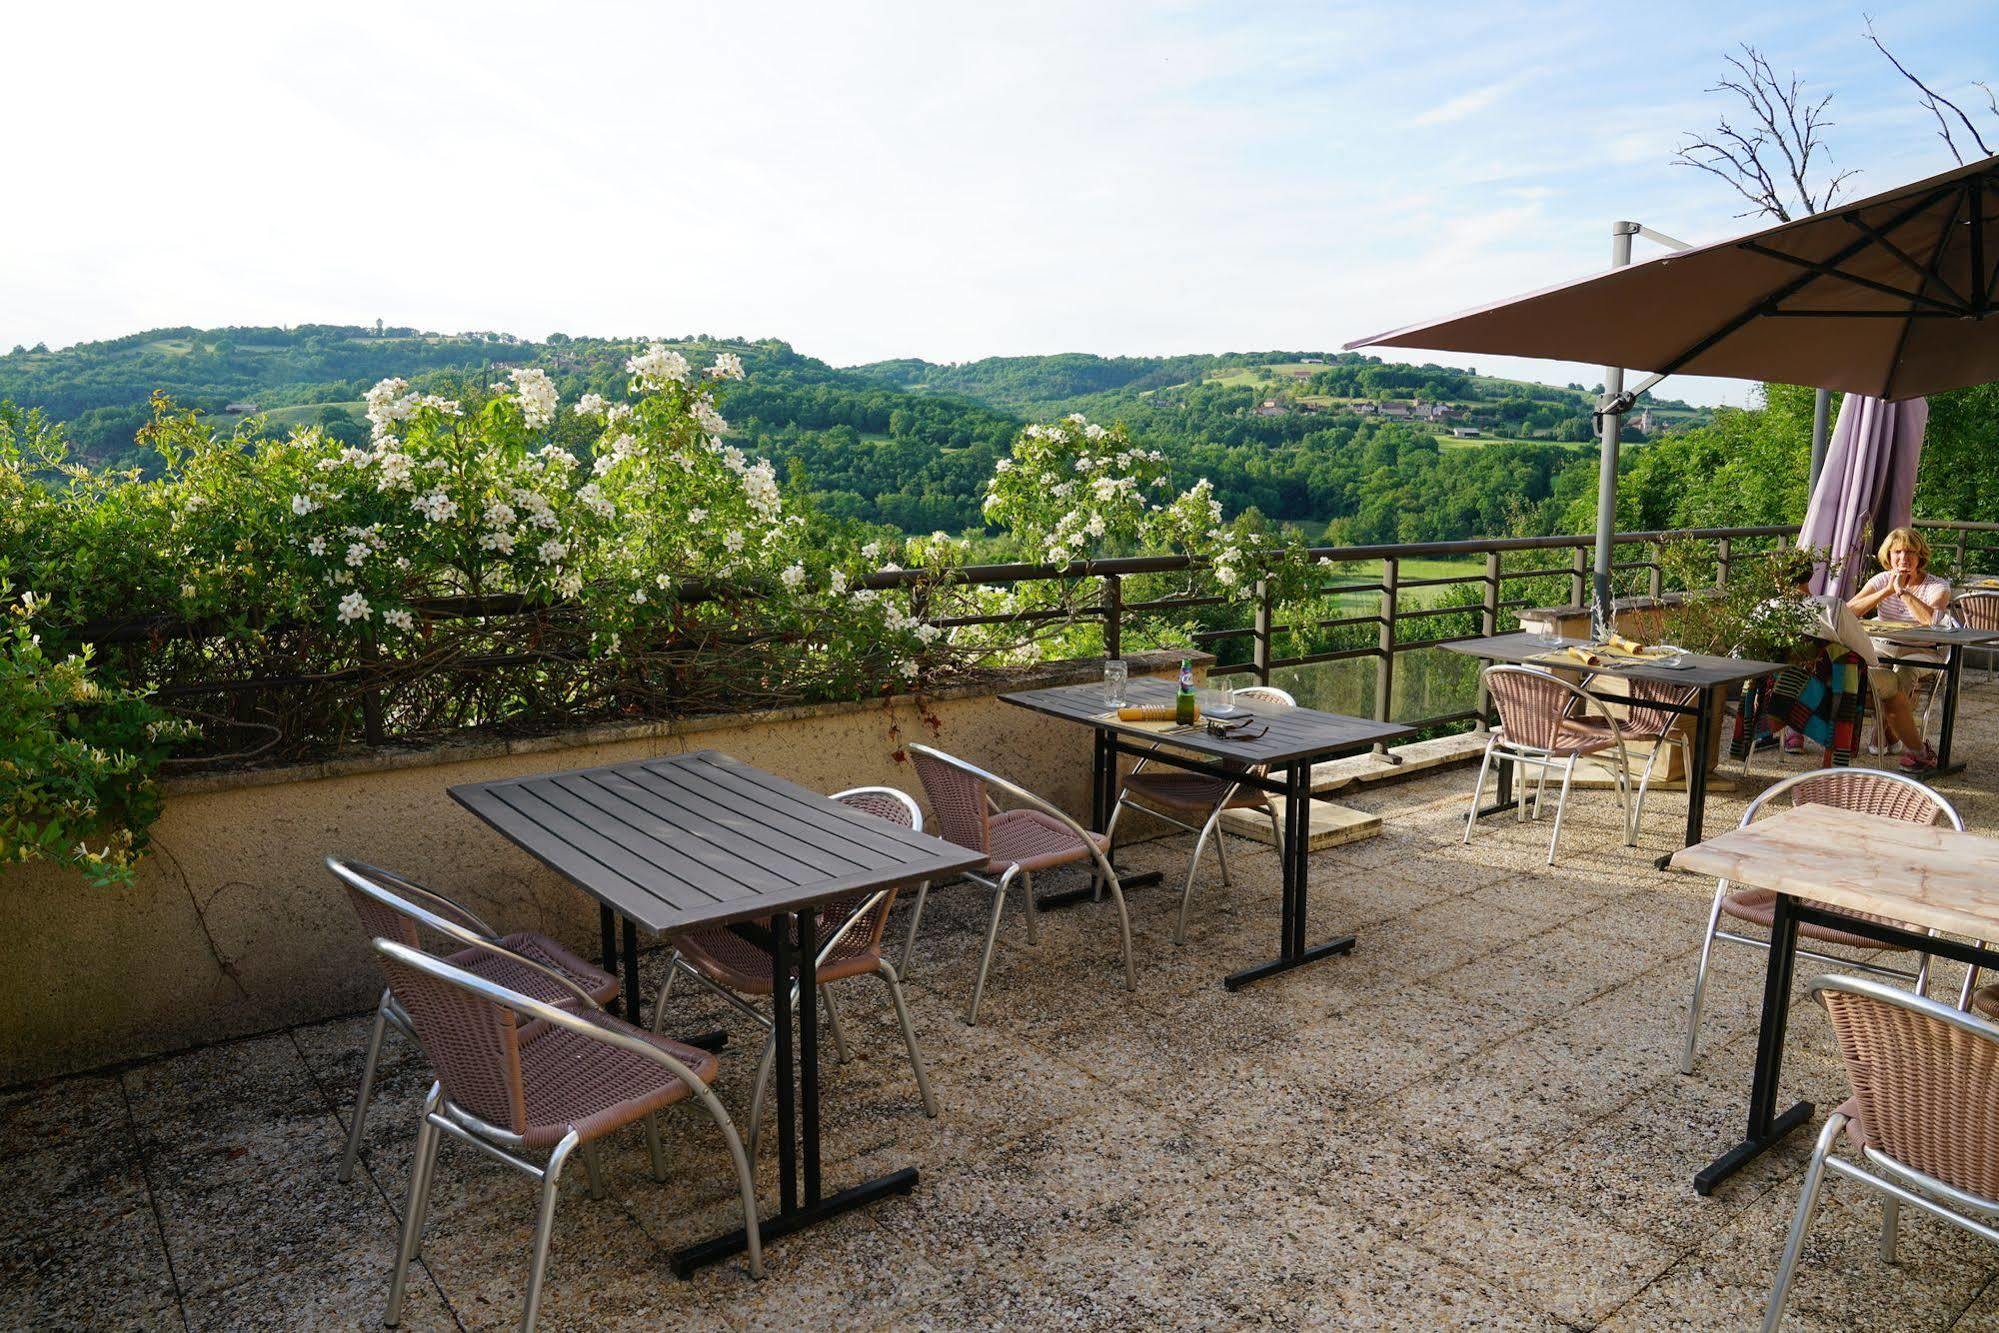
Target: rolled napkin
[
  {"x": 1150, "y": 713},
  {"x": 1880, "y": 628},
  {"x": 1608, "y": 653}
]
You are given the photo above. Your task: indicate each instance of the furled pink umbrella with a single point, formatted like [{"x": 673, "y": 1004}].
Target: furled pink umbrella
[{"x": 1868, "y": 483}]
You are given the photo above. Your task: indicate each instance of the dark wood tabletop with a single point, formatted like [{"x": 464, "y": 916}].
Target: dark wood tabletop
[
  {"x": 702, "y": 839},
  {"x": 1701, "y": 671},
  {"x": 1289, "y": 734},
  {"x": 1931, "y": 635}
]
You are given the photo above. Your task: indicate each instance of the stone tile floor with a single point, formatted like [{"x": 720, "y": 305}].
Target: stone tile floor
[{"x": 1473, "y": 1120}]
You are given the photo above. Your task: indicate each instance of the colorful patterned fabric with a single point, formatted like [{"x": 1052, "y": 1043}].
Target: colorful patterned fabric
[{"x": 1825, "y": 701}]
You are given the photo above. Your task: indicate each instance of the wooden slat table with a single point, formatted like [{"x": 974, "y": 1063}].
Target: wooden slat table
[
  {"x": 1817, "y": 857},
  {"x": 1953, "y": 642},
  {"x": 1292, "y": 741},
  {"x": 702, "y": 840},
  {"x": 1711, "y": 676}
]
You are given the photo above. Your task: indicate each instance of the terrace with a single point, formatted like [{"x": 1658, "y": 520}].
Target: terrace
[{"x": 1473, "y": 1120}]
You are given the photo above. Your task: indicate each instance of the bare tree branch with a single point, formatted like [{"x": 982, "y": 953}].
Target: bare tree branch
[
  {"x": 1934, "y": 102},
  {"x": 1770, "y": 164}
]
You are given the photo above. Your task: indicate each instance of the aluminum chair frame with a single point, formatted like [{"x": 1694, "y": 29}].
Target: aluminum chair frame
[
  {"x": 1211, "y": 825},
  {"x": 1503, "y": 748},
  {"x": 1919, "y": 977},
  {"x": 442, "y": 1117},
  {"x": 1898, "y": 1182},
  {"x": 1106, "y": 875},
  {"x": 368, "y": 881},
  {"x": 678, "y": 964},
  {"x": 1673, "y": 737}
]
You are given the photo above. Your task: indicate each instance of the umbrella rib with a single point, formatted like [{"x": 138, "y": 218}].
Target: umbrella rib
[
  {"x": 1853, "y": 220},
  {"x": 1793, "y": 287},
  {"x": 1975, "y": 188},
  {"x": 1826, "y": 269}
]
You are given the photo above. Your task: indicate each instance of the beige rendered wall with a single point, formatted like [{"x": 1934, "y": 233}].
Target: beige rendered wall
[{"x": 235, "y": 926}]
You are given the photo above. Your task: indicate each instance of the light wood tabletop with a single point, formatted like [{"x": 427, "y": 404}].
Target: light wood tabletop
[{"x": 1926, "y": 874}]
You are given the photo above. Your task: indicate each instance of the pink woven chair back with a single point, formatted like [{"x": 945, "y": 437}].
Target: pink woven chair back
[
  {"x": 1655, "y": 721},
  {"x": 470, "y": 1041},
  {"x": 1530, "y": 704},
  {"x": 1928, "y": 1090},
  {"x": 866, "y": 935},
  {"x": 959, "y": 801},
  {"x": 1868, "y": 793},
  {"x": 380, "y": 920},
  {"x": 1976, "y": 610}
]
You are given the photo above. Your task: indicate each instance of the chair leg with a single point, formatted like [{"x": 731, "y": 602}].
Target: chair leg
[
  {"x": 1922, "y": 981},
  {"x": 422, "y": 1162},
  {"x": 1700, "y": 985},
  {"x": 593, "y": 1169},
  {"x": 915, "y": 919},
  {"x": 1645, "y": 785},
  {"x": 352, "y": 1153},
  {"x": 746, "y": 1183},
  {"x": 840, "y": 1051},
  {"x": 992, "y": 938},
  {"x": 1124, "y": 928},
  {"x": 1965, "y": 992},
  {"x": 1222, "y": 849},
  {"x": 544, "y": 1225},
  {"x": 1193, "y": 873},
  {"x": 1561, "y": 804},
  {"x": 1624, "y": 800},
  {"x": 666, "y": 989},
  {"x": 1808, "y": 1202},
  {"x": 1471, "y": 816},
  {"x": 1891, "y": 1226},
  {"x": 654, "y": 1152},
  {"x": 887, "y": 974},
  {"x": 1027, "y": 906},
  {"x": 766, "y": 1065}
]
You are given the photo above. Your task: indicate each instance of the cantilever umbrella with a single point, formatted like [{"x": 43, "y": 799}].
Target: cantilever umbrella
[{"x": 1891, "y": 296}]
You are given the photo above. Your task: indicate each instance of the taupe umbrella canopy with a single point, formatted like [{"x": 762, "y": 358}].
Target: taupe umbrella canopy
[{"x": 1892, "y": 296}]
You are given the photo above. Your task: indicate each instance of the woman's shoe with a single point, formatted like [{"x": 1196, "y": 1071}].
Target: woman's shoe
[{"x": 1920, "y": 762}]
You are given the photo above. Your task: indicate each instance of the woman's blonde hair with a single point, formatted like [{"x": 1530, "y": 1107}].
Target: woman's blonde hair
[{"x": 1910, "y": 538}]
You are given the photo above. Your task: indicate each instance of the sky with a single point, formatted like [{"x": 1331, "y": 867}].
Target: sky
[{"x": 870, "y": 180}]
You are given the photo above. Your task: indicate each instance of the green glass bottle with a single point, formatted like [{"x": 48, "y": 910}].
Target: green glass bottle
[{"x": 1183, "y": 702}]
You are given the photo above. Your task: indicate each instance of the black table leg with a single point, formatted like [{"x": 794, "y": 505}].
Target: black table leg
[
  {"x": 1294, "y": 855},
  {"x": 1505, "y": 801},
  {"x": 1766, "y": 1127},
  {"x": 1953, "y": 670},
  {"x": 795, "y": 935},
  {"x": 607, "y": 931},
  {"x": 1103, "y": 800},
  {"x": 1697, "y": 775}
]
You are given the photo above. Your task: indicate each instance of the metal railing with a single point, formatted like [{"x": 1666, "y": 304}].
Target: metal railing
[{"x": 1399, "y": 614}]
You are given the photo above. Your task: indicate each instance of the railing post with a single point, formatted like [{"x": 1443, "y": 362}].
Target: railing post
[
  {"x": 1488, "y": 624},
  {"x": 371, "y": 693},
  {"x": 1654, "y": 581},
  {"x": 1579, "y": 576},
  {"x": 1113, "y": 607},
  {"x": 1259, "y": 649},
  {"x": 1384, "y": 663},
  {"x": 1723, "y": 549}
]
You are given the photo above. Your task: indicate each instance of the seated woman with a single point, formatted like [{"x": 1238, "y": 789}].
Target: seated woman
[
  {"x": 1838, "y": 624},
  {"x": 1904, "y": 590}
]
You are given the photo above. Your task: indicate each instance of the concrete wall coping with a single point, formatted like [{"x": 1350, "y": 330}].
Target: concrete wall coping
[{"x": 489, "y": 743}]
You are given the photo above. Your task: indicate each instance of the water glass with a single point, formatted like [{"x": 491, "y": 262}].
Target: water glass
[
  {"x": 1214, "y": 701},
  {"x": 1115, "y": 674}
]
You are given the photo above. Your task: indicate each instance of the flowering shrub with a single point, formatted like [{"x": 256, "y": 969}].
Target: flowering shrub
[{"x": 76, "y": 758}]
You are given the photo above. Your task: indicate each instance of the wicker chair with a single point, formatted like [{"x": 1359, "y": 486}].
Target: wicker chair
[
  {"x": 1924, "y": 1116},
  {"x": 733, "y": 967},
  {"x": 1176, "y": 797},
  {"x": 1545, "y": 722},
  {"x": 1868, "y": 790},
  {"x": 1644, "y": 720},
  {"x": 516, "y": 1075},
  {"x": 1979, "y": 610},
  {"x": 391, "y": 907},
  {"x": 1017, "y": 842}
]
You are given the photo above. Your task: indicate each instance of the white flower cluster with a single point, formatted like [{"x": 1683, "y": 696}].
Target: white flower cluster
[
  {"x": 436, "y": 506},
  {"x": 728, "y": 366},
  {"x": 535, "y": 392},
  {"x": 591, "y": 405},
  {"x": 656, "y": 368},
  {"x": 389, "y": 402}
]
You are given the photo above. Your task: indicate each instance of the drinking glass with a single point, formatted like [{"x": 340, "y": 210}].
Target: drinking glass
[
  {"x": 1215, "y": 701},
  {"x": 1115, "y": 675}
]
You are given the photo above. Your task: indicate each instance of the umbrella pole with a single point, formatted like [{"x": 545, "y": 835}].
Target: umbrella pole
[{"x": 1611, "y": 424}]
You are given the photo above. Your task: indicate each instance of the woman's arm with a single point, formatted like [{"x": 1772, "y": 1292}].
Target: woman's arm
[
  {"x": 1922, "y": 608},
  {"x": 1870, "y": 596}
]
